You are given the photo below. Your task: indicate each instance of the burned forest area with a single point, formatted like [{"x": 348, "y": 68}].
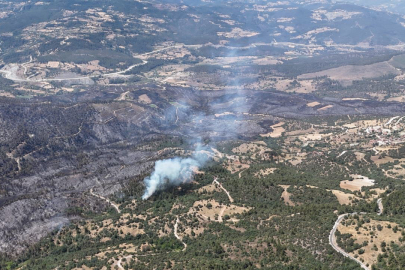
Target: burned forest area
[{"x": 190, "y": 134}]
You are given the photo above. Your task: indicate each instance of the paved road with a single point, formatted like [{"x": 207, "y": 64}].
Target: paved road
[
  {"x": 380, "y": 207},
  {"x": 333, "y": 243}
]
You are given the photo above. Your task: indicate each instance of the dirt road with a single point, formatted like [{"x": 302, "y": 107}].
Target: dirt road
[
  {"x": 226, "y": 191},
  {"x": 120, "y": 261},
  {"x": 105, "y": 199},
  {"x": 392, "y": 119},
  {"x": 177, "y": 236},
  {"x": 221, "y": 214}
]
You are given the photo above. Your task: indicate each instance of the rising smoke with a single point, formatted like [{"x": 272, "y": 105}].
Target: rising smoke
[
  {"x": 177, "y": 171},
  {"x": 174, "y": 171}
]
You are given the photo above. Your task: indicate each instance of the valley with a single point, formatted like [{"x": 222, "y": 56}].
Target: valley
[
  {"x": 168, "y": 134},
  {"x": 317, "y": 139}
]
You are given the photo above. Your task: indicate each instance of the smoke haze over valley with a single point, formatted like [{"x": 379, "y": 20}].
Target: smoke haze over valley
[{"x": 191, "y": 134}]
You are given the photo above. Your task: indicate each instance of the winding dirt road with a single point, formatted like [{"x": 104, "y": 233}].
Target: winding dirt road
[
  {"x": 221, "y": 214},
  {"x": 177, "y": 236},
  {"x": 392, "y": 119},
  {"x": 226, "y": 191},
  {"x": 177, "y": 115},
  {"x": 341, "y": 154},
  {"x": 119, "y": 262},
  {"x": 397, "y": 122},
  {"x": 105, "y": 199}
]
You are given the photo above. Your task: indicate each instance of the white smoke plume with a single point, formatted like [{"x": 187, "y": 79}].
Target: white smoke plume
[
  {"x": 174, "y": 172},
  {"x": 177, "y": 171}
]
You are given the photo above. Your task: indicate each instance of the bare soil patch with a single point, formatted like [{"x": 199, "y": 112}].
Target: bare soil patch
[
  {"x": 360, "y": 156},
  {"x": 286, "y": 196},
  {"x": 347, "y": 74},
  {"x": 208, "y": 188},
  {"x": 238, "y": 33},
  {"x": 213, "y": 210},
  {"x": 277, "y": 131},
  {"x": 378, "y": 161},
  {"x": 265, "y": 172},
  {"x": 358, "y": 182},
  {"x": 313, "y": 137},
  {"x": 144, "y": 99},
  {"x": 348, "y": 99},
  {"x": 268, "y": 60},
  {"x": 235, "y": 166},
  {"x": 325, "y": 108},
  {"x": 6, "y": 94},
  {"x": 344, "y": 198},
  {"x": 313, "y": 104},
  {"x": 246, "y": 148},
  {"x": 369, "y": 232},
  {"x": 397, "y": 99}
]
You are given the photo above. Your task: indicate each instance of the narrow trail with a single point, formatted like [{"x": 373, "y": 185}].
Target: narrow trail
[
  {"x": 105, "y": 199},
  {"x": 333, "y": 242},
  {"x": 226, "y": 191},
  {"x": 16, "y": 159},
  {"x": 122, "y": 72},
  {"x": 123, "y": 96},
  {"x": 12, "y": 155},
  {"x": 177, "y": 236},
  {"x": 120, "y": 261},
  {"x": 177, "y": 115},
  {"x": 115, "y": 111},
  {"x": 69, "y": 107},
  {"x": 341, "y": 154},
  {"x": 221, "y": 214},
  {"x": 240, "y": 173},
  {"x": 397, "y": 122},
  {"x": 73, "y": 135},
  {"x": 375, "y": 151},
  {"x": 25, "y": 67}
]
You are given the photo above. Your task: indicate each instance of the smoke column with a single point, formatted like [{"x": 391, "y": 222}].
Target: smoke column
[
  {"x": 173, "y": 172},
  {"x": 176, "y": 171}
]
